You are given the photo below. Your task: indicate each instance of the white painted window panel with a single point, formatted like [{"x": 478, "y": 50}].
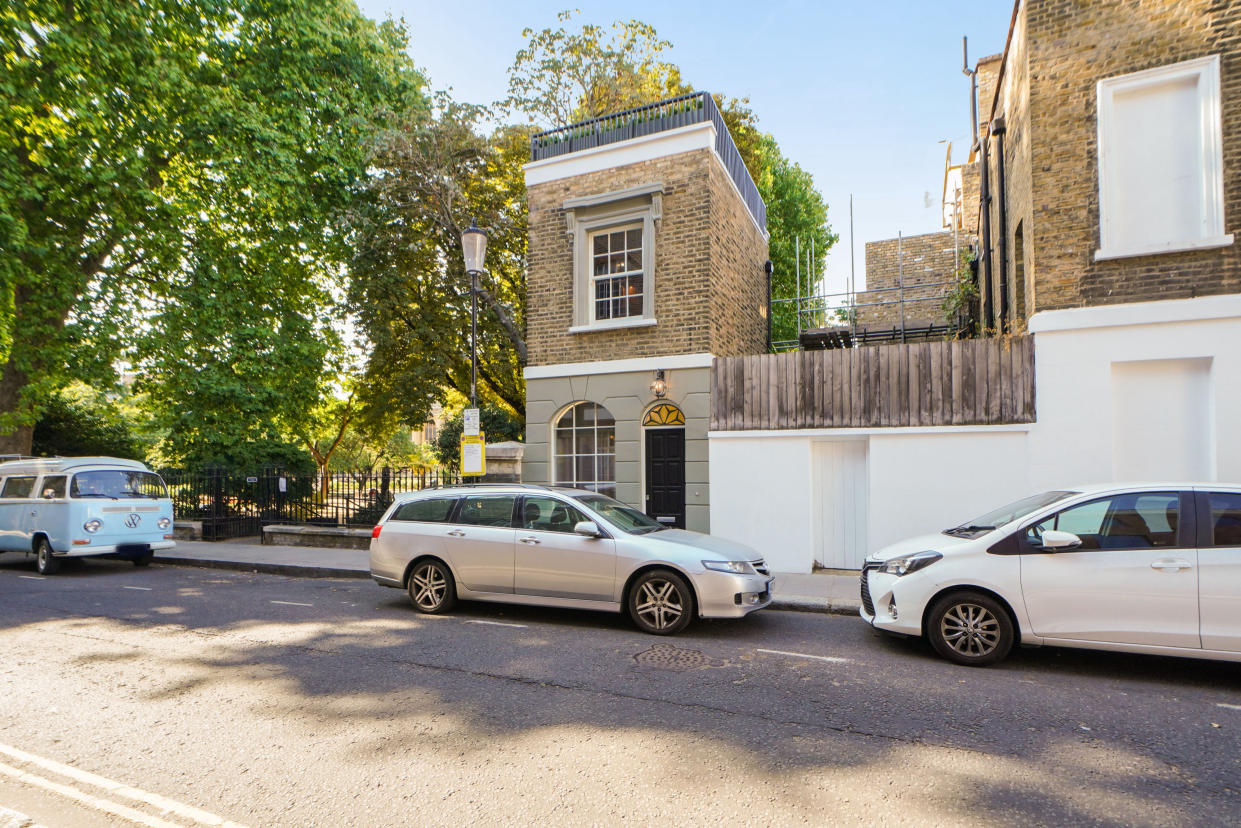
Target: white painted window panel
[
  {"x": 1157, "y": 163},
  {"x": 1160, "y": 160}
]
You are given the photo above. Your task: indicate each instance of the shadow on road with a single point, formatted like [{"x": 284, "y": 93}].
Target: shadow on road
[{"x": 1095, "y": 736}]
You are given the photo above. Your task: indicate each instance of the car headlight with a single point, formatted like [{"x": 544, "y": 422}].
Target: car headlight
[
  {"x": 163, "y": 523},
  {"x": 735, "y": 567},
  {"x": 909, "y": 563},
  {"x": 93, "y": 525}
]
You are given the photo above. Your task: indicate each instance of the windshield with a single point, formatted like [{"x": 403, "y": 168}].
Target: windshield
[
  {"x": 118, "y": 484},
  {"x": 619, "y": 515},
  {"x": 1007, "y": 514}
]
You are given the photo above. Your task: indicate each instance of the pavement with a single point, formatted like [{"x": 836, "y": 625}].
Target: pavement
[{"x": 829, "y": 591}]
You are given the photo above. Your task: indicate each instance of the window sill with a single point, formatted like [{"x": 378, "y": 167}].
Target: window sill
[
  {"x": 611, "y": 325},
  {"x": 1170, "y": 247}
]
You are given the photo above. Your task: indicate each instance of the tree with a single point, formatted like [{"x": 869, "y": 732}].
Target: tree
[
  {"x": 797, "y": 222},
  {"x": 86, "y": 425},
  {"x": 431, "y": 174},
  {"x": 560, "y": 76},
  {"x": 144, "y": 146}
]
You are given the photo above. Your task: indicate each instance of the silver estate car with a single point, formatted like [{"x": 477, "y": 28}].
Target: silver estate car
[{"x": 558, "y": 547}]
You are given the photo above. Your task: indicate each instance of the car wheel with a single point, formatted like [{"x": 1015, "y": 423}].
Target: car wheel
[
  {"x": 144, "y": 559},
  {"x": 660, "y": 603},
  {"x": 43, "y": 559},
  {"x": 970, "y": 628},
  {"x": 431, "y": 588}
]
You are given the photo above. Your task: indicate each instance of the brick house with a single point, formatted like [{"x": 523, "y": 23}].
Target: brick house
[
  {"x": 1111, "y": 131},
  {"x": 647, "y": 253},
  {"x": 1105, "y": 195}
]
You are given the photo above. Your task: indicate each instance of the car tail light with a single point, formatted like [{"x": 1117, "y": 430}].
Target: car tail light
[{"x": 375, "y": 531}]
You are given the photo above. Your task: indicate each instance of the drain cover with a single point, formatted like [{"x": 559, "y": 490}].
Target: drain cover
[{"x": 668, "y": 657}]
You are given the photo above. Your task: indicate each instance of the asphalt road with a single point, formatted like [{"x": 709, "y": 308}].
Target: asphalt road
[{"x": 267, "y": 700}]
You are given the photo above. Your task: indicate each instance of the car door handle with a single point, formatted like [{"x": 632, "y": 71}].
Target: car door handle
[
  {"x": 457, "y": 533},
  {"x": 1169, "y": 563},
  {"x": 534, "y": 541}
]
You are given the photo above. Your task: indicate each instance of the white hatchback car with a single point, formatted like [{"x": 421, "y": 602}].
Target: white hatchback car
[
  {"x": 523, "y": 544},
  {"x": 1151, "y": 569}
]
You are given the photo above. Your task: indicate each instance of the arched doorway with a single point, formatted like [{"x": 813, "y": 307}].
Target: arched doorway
[{"x": 663, "y": 432}]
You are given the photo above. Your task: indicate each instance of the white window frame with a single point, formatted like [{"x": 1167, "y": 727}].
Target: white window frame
[
  {"x": 1206, "y": 72},
  {"x": 592, "y": 279},
  {"x": 593, "y": 220},
  {"x": 586, "y": 485}
]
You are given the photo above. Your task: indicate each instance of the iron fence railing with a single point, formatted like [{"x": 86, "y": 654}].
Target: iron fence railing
[
  {"x": 234, "y": 505},
  {"x": 694, "y": 108}
]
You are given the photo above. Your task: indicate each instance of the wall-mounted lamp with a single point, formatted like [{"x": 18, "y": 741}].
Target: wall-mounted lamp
[{"x": 659, "y": 386}]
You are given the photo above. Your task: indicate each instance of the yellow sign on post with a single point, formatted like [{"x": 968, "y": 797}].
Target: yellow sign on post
[{"x": 473, "y": 455}]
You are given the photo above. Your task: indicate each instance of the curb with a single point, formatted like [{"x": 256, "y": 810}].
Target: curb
[
  {"x": 824, "y": 606},
  {"x": 292, "y": 570}
]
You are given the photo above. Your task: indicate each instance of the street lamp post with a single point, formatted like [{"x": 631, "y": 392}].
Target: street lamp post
[{"x": 474, "y": 246}]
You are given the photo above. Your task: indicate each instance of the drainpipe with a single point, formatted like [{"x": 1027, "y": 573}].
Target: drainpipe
[
  {"x": 997, "y": 129},
  {"x": 988, "y": 316}
]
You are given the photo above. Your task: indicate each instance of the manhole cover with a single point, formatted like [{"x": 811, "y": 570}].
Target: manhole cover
[{"x": 668, "y": 657}]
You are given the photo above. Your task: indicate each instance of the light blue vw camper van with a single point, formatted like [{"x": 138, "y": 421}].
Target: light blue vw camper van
[{"x": 74, "y": 507}]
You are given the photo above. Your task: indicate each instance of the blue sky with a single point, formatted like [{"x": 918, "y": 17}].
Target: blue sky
[{"x": 859, "y": 93}]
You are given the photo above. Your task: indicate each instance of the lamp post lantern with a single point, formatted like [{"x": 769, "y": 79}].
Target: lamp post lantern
[{"x": 474, "y": 247}]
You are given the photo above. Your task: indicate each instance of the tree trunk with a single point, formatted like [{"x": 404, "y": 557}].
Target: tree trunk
[{"x": 12, "y": 381}]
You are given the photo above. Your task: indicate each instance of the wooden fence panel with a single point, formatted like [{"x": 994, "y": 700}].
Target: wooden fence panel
[{"x": 963, "y": 382}]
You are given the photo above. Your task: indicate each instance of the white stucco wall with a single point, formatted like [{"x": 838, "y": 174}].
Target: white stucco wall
[
  {"x": 1150, "y": 386},
  {"x": 764, "y": 492},
  {"x": 1075, "y": 354}
]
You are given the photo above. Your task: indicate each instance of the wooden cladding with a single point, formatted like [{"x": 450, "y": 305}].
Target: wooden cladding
[{"x": 963, "y": 382}]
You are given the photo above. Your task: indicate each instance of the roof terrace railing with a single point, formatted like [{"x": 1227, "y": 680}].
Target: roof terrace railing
[{"x": 694, "y": 108}]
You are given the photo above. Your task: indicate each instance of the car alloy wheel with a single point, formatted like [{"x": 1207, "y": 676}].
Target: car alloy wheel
[
  {"x": 431, "y": 587},
  {"x": 660, "y": 603},
  {"x": 45, "y": 563},
  {"x": 970, "y": 628}
]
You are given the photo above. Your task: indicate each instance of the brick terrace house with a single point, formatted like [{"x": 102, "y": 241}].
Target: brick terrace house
[
  {"x": 647, "y": 253},
  {"x": 1105, "y": 191}
]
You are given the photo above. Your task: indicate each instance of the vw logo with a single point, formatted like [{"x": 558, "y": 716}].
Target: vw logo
[{"x": 132, "y": 520}]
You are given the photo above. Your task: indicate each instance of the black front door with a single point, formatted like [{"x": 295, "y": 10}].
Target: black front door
[{"x": 665, "y": 475}]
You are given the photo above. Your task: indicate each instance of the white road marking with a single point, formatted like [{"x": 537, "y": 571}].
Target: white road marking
[
  {"x": 144, "y": 589},
  {"x": 1229, "y": 706},
  {"x": 831, "y": 659},
  {"x": 497, "y": 624},
  {"x": 33, "y": 577},
  {"x": 163, "y": 803},
  {"x": 292, "y": 604}
]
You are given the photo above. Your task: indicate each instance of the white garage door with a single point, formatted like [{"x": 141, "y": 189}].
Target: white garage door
[{"x": 840, "y": 503}]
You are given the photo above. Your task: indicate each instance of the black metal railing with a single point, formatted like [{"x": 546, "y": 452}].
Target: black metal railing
[
  {"x": 694, "y": 108},
  {"x": 237, "y": 505}
]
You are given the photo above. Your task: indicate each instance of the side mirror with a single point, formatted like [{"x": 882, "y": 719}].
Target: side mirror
[
  {"x": 588, "y": 528},
  {"x": 1055, "y": 540}
]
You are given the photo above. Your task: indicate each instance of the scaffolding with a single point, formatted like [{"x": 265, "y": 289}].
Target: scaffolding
[{"x": 852, "y": 318}]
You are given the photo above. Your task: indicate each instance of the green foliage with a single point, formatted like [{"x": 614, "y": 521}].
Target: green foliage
[
  {"x": 563, "y": 76},
  {"x": 175, "y": 158},
  {"x": 963, "y": 292},
  {"x": 78, "y": 427},
  {"x": 496, "y": 424},
  {"x": 252, "y": 457},
  {"x": 795, "y": 212},
  {"x": 431, "y": 174}
]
